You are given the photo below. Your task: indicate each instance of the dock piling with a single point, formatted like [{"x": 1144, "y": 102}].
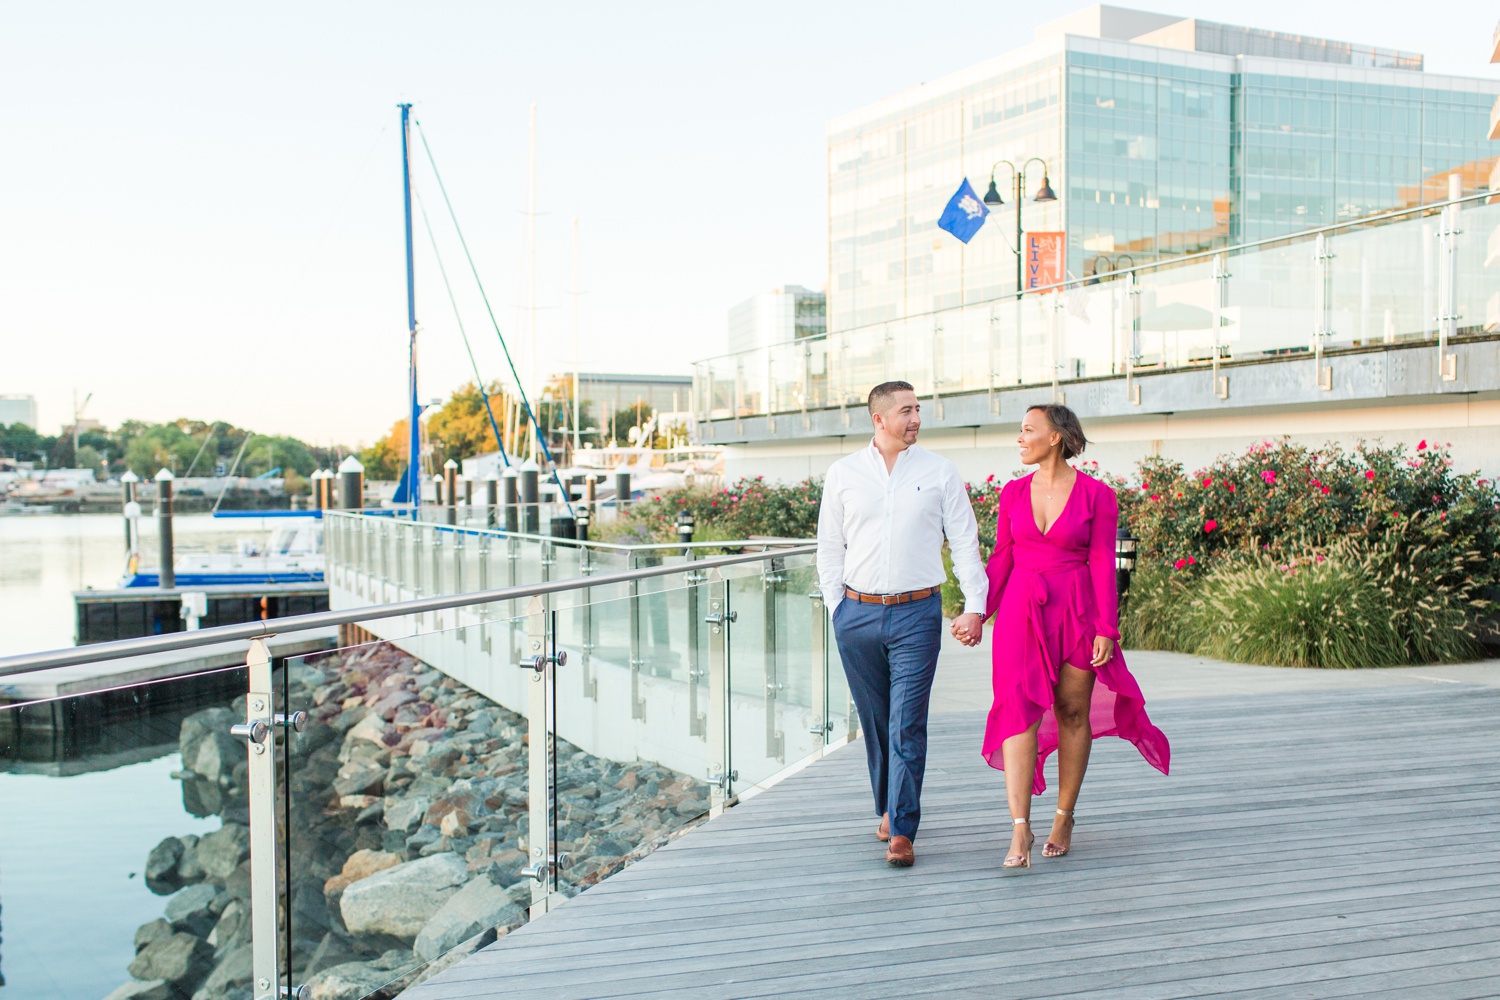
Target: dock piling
[{"x": 166, "y": 577}]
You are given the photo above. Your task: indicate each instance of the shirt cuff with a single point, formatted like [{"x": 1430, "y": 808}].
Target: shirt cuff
[{"x": 974, "y": 608}]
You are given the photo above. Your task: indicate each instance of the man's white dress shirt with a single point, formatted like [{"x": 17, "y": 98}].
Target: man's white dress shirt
[{"x": 882, "y": 533}]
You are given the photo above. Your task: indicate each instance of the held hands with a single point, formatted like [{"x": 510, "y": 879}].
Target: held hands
[
  {"x": 1104, "y": 648},
  {"x": 968, "y": 629}
]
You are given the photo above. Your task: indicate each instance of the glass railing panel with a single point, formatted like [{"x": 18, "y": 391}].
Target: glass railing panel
[
  {"x": 409, "y": 800},
  {"x": 1036, "y": 319},
  {"x": 1478, "y": 268},
  {"x": 1093, "y": 323},
  {"x": 1270, "y": 300},
  {"x": 1383, "y": 284},
  {"x": 1175, "y": 317},
  {"x": 756, "y": 663},
  {"x": 123, "y": 834}
]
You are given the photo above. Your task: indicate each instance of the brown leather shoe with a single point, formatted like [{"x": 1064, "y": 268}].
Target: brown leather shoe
[
  {"x": 900, "y": 854},
  {"x": 883, "y": 831}
]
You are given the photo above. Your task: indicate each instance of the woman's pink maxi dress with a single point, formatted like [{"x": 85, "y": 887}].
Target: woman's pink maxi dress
[{"x": 1050, "y": 595}]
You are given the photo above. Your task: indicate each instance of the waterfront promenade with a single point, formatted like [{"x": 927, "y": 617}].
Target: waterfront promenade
[{"x": 1323, "y": 834}]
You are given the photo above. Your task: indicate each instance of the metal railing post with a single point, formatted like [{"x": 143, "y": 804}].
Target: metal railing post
[
  {"x": 772, "y": 576},
  {"x": 258, "y": 731},
  {"x": 540, "y": 843},
  {"x": 822, "y": 724},
  {"x": 1220, "y": 279},
  {"x": 586, "y": 568},
  {"x": 1321, "y": 310},
  {"x": 719, "y": 618},
  {"x": 1132, "y": 338},
  {"x": 633, "y": 605},
  {"x": 1447, "y": 318},
  {"x": 696, "y": 672}
]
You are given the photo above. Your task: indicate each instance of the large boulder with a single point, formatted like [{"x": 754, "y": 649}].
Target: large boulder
[
  {"x": 360, "y": 777},
  {"x": 352, "y": 980},
  {"x": 404, "y": 813},
  {"x": 156, "y": 989},
  {"x": 220, "y": 853},
  {"x": 234, "y": 969},
  {"x": 477, "y": 907},
  {"x": 182, "y": 960},
  {"x": 154, "y": 931},
  {"x": 161, "y": 863},
  {"x": 190, "y": 910},
  {"x": 361, "y": 864},
  {"x": 399, "y": 901}
]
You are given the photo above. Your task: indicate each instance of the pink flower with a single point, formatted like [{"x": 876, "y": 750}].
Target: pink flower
[
  {"x": 1179, "y": 564},
  {"x": 1231, "y": 487},
  {"x": 1316, "y": 485},
  {"x": 1210, "y": 525},
  {"x": 713, "y": 503},
  {"x": 1191, "y": 561},
  {"x": 990, "y": 478},
  {"x": 1268, "y": 476},
  {"x": 1208, "y": 481},
  {"x": 1370, "y": 474},
  {"x": 1155, "y": 496},
  {"x": 1422, "y": 445},
  {"x": 1326, "y": 491},
  {"x": 1319, "y": 557}
]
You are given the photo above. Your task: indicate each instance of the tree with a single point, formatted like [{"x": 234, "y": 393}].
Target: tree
[
  {"x": 22, "y": 442},
  {"x": 461, "y": 428}
]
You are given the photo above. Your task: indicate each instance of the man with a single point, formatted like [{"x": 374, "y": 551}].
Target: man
[{"x": 886, "y": 509}]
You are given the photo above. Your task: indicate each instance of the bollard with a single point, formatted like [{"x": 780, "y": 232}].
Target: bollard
[
  {"x": 351, "y": 484},
  {"x": 590, "y": 492},
  {"x": 166, "y": 575},
  {"x": 468, "y": 499},
  {"x": 575, "y": 486},
  {"x": 531, "y": 514},
  {"x": 450, "y": 490},
  {"x": 622, "y": 490},
  {"x": 563, "y": 526},
  {"x": 491, "y": 500},
  {"x": 512, "y": 500},
  {"x": 127, "y": 497}
]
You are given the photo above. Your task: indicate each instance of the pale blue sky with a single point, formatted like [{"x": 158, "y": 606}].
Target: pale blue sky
[{"x": 202, "y": 201}]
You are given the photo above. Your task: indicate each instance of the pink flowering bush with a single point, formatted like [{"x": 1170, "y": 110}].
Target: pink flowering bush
[
  {"x": 1422, "y": 539},
  {"x": 747, "y": 508}
]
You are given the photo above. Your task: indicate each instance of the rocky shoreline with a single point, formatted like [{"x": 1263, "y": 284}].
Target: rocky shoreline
[{"x": 408, "y": 827}]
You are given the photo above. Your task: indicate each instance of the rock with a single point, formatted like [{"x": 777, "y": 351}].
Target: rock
[
  {"x": 233, "y": 970},
  {"x": 399, "y": 901},
  {"x": 386, "y": 707},
  {"x": 405, "y": 813},
  {"x": 332, "y": 950},
  {"x": 477, "y": 907},
  {"x": 156, "y": 989},
  {"x": 220, "y": 852},
  {"x": 189, "y": 909},
  {"x": 232, "y": 930},
  {"x": 154, "y": 931},
  {"x": 361, "y": 864},
  {"x": 359, "y": 777},
  {"x": 188, "y": 869},
  {"x": 371, "y": 728},
  {"x": 161, "y": 863},
  {"x": 182, "y": 960},
  {"x": 201, "y": 726},
  {"x": 455, "y": 824},
  {"x": 359, "y": 803}
]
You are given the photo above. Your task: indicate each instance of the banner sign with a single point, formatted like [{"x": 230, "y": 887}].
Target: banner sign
[{"x": 1044, "y": 259}]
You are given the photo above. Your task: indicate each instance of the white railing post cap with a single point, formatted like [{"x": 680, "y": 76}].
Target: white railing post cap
[{"x": 351, "y": 464}]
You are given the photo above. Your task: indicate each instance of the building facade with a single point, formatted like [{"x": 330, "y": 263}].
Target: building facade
[
  {"x": 18, "y": 409},
  {"x": 1162, "y": 136},
  {"x": 779, "y": 316}
]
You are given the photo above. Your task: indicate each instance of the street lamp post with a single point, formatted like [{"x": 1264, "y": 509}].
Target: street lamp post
[{"x": 1044, "y": 194}]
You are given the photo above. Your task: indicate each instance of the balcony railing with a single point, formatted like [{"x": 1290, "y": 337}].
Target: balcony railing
[
  {"x": 1409, "y": 276},
  {"x": 378, "y": 816}
]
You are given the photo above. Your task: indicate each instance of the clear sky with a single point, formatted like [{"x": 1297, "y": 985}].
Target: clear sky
[{"x": 202, "y": 217}]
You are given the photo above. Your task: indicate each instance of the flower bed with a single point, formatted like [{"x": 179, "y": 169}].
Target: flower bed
[{"x": 1283, "y": 554}]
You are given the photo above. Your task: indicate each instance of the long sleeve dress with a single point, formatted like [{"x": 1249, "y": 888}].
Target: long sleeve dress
[{"x": 1049, "y": 596}]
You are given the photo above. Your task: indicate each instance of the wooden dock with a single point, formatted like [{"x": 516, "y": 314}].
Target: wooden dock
[{"x": 1319, "y": 843}]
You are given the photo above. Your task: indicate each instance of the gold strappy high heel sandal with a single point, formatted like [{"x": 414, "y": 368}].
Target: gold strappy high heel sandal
[
  {"x": 1051, "y": 850},
  {"x": 1022, "y": 860}
]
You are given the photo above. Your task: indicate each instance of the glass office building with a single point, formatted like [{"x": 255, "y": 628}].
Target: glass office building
[{"x": 1160, "y": 135}]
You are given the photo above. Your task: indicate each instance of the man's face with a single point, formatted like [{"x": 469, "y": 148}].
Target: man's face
[{"x": 902, "y": 418}]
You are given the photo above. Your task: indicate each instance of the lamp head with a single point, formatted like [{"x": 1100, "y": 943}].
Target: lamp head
[
  {"x": 992, "y": 196},
  {"x": 1045, "y": 192}
]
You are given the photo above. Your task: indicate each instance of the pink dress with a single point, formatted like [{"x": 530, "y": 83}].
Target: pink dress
[{"x": 1050, "y": 595}]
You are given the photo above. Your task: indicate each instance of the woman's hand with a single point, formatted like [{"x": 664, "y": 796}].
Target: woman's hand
[
  {"x": 1104, "y": 648},
  {"x": 968, "y": 629}
]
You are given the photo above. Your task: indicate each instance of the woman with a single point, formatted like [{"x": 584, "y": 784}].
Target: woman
[{"x": 1052, "y": 598}]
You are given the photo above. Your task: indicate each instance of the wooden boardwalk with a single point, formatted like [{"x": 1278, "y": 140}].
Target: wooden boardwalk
[{"x": 1323, "y": 844}]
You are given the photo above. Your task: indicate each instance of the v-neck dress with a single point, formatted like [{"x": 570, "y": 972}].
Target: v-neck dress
[{"x": 1050, "y": 595}]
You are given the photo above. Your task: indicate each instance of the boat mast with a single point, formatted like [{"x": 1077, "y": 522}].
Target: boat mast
[
  {"x": 531, "y": 373},
  {"x": 577, "y": 403},
  {"x": 414, "y": 437}
]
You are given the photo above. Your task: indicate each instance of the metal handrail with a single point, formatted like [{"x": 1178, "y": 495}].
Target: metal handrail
[
  {"x": 97, "y": 652},
  {"x": 580, "y": 543}
]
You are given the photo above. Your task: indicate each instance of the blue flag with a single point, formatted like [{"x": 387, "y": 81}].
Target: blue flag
[{"x": 965, "y": 213}]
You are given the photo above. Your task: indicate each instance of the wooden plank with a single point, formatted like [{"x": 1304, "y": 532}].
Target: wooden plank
[{"x": 1307, "y": 843}]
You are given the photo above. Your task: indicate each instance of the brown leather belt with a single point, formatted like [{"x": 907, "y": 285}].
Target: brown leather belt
[{"x": 910, "y": 595}]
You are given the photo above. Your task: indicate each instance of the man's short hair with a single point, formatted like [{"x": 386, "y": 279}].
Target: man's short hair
[{"x": 880, "y": 396}]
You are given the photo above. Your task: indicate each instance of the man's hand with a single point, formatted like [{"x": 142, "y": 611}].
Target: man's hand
[{"x": 968, "y": 629}]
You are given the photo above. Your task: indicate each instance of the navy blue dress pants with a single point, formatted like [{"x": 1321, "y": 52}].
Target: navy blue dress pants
[{"x": 890, "y": 655}]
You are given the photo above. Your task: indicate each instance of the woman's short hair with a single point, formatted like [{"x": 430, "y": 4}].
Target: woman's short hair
[{"x": 1066, "y": 423}]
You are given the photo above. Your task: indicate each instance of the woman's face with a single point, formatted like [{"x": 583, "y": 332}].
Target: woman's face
[{"x": 1037, "y": 438}]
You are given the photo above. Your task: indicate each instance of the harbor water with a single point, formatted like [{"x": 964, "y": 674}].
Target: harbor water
[{"x": 78, "y": 818}]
